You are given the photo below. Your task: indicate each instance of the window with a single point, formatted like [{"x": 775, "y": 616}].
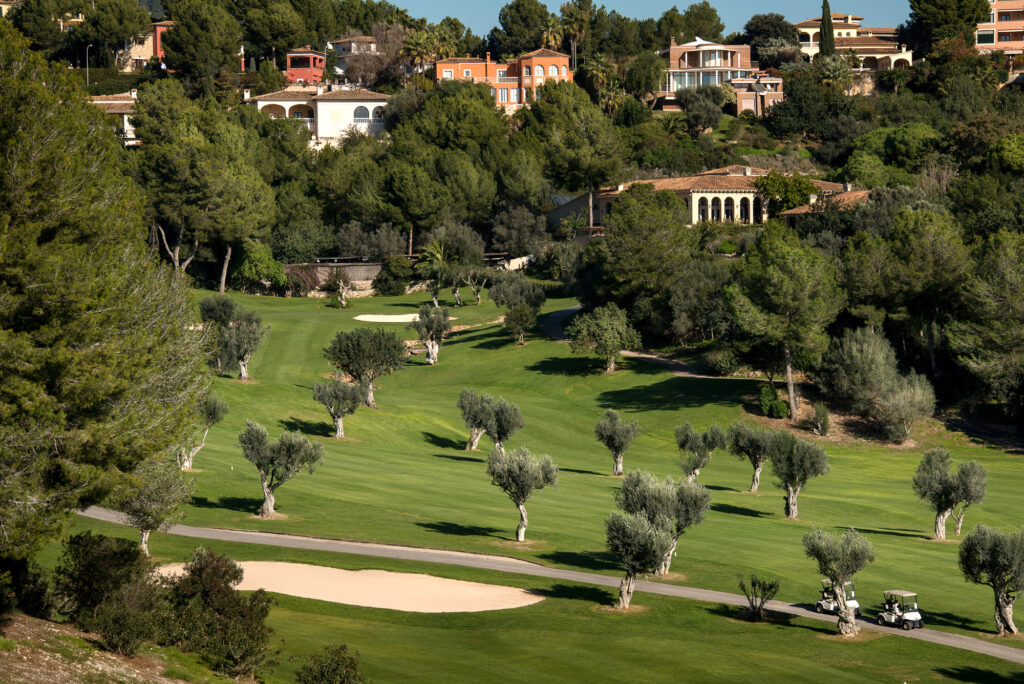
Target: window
[
  {"x": 378, "y": 113},
  {"x": 565, "y": 71},
  {"x": 1005, "y": 16},
  {"x": 991, "y": 17},
  {"x": 526, "y": 71},
  {"x": 515, "y": 95},
  {"x": 503, "y": 95},
  {"x": 447, "y": 73},
  {"x": 1005, "y": 38},
  {"x": 467, "y": 73},
  {"x": 361, "y": 113},
  {"x": 986, "y": 37},
  {"x": 552, "y": 70},
  {"x": 502, "y": 73}
]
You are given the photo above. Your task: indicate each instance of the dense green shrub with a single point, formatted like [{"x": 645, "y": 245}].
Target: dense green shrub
[
  {"x": 395, "y": 275},
  {"x": 258, "y": 269},
  {"x": 722, "y": 361},
  {"x": 131, "y": 616},
  {"x": 333, "y": 665},
  {"x": 771, "y": 405},
  {"x": 213, "y": 619},
  {"x": 821, "y": 423},
  {"x": 93, "y": 567}
]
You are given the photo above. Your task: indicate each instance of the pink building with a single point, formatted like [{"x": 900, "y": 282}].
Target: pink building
[
  {"x": 305, "y": 66},
  {"x": 1004, "y": 29}
]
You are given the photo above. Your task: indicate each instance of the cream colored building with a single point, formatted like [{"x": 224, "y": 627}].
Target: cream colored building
[
  {"x": 330, "y": 114},
  {"x": 120, "y": 108},
  {"x": 878, "y": 47},
  {"x": 7, "y": 5}
]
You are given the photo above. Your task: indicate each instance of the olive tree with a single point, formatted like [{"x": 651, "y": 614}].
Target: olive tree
[
  {"x": 519, "y": 474},
  {"x": 641, "y": 546},
  {"x": 340, "y": 399},
  {"x": 519, "y": 320},
  {"x": 151, "y": 497},
  {"x": 242, "y": 338},
  {"x": 678, "y": 505},
  {"x": 605, "y": 332},
  {"x": 365, "y": 355},
  {"x": 794, "y": 462},
  {"x": 697, "y": 448},
  {"x": 996, "y": 559},
  {"x": 277, "y": 462},
  {"x": 431, "y": 325},
  {"x": 616, "y": 434},
  {"x": 753, "y": 444},
  {"x": 505, "y": 420},
  {"x": 947, "y": 492},
  {"x": 211, "y": 410},
  {"x": 477, "y": 412},
  {"x": 839, "y": 559}
]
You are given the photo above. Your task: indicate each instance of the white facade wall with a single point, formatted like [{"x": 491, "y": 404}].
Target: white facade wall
[{"x": 334, "y": 119}]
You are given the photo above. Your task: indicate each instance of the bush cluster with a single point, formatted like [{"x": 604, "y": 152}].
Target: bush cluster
[{"x": 771, "y": 405}]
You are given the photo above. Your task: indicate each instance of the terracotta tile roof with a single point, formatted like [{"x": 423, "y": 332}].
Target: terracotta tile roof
[
  {"x": 300, "y": 94},
  {"x": 117, "y": 97},
  {"x": 734, "y": 170},
  {"x": 163, "y": 23},
  {"x": 880, "y": 29},
  {"x": 460, "y": 60},
  {"x": 840, "y": 200},
  {"x": 543, "y": 52},
  {"x": 712, "y": 181},
  {"x": 306, "y": 51},
  {"x": 357, "y": 95},
  {"x": 119, "y": 103},
  {"x": 356, "y": 39},
  {"x": 836, "y": 16}
]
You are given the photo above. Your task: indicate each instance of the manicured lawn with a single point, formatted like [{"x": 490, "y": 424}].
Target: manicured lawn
[
  {"x": 402, "y": 475},
  {"x": 574, "y": 636}
]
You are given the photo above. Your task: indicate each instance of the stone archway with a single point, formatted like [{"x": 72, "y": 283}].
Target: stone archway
[
  {"x": 745, "y": 210},
  {"x": 702, "y": 209},
  {"x": 870, "y": 63},
  {"x": 716, "y": 209},
  {"x": 758, "y": 211},
  {"x": 729, "y": 209},
  {"x": 300, "y": 111},
  {"x": 274, "y": 111},
  {"x": 901, "y": 64}
]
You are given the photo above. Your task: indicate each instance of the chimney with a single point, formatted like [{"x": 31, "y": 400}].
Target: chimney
[
  {"x": 747, "y": 171},
  {"x": 847, "y": 187},
  {"x": 622, "y": 186},
  {"x": 319, "y": 89},
  {"x": 812, "y": 200},
  {"x": 671, "y": 41},
  {"x": 487, "y": 66},
  {"x": 246, "y": 93},
  {"x": 134, "y": 93}
]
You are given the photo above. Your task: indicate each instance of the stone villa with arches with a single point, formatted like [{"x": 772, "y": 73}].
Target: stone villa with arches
[
  {"x": 877, "y": 47},
  {"x": 725, "y": 195},
  {"x": 329, "y": 113}
]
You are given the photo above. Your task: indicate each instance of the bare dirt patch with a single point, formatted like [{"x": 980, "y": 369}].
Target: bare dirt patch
[
  {"x": 391, "y": 318},
  {"x": 408, "y": 592}
]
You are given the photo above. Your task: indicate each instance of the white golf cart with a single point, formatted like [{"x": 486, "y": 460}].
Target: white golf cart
[
  {"x": 828, "y": 603},
  {"x": 900, "y": 610}
]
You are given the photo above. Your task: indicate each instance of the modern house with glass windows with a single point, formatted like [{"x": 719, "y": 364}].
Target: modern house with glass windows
[
  {"x": 330, "y": 114},
  {"x": 701, "y": 62},
  {"x": 513, "y": 84},
  {"x": 1004, "y": 29}
]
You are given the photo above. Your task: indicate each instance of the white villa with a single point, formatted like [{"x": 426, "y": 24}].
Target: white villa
[
  {"x": 330, "y": 113},
  {"x": 878, "y": 47},
  {"x": 120, "y": 108}
]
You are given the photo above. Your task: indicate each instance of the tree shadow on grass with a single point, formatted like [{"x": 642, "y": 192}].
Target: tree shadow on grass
[
  {"x": 498, "y": 342},
  {"x": 232, "y": 503},
  {"x": 676, "y": 393},
  {"x": 729, "y": 509},
  {"x": 578, "y": 471},
  {"x": 976, "y": 674},
  {"x": 591, "y": 560},
  {"x": 720, "y": 488},
  {"x": 463, "y": 459},
  {"x": 572, "y": 365},
  {"x": 892, "y": 532},
  {"x": 578, "y": 593},
  {"x": 954, "y": 620},
  {"x": 443, "y": 442},
  {"x": 1005, "y": 437},
  {"x": 459, "y": 530},
  {"x": 475, "y": 335},
  {"x": 318, "y": 428},
  {"x": 742, "y": 613}
]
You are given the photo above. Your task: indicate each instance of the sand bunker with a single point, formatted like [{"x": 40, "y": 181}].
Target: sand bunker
[
  {"x": 376, "y": 588},
  {"x": 392, "y": 318}
]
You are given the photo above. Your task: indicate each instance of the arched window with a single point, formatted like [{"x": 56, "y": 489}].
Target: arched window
[
  {"x": 716, "y": 209},
  {"x": 730, "y": 214},
  {"x": 552, "y": 70},
  {"x": 527, "y": 71},
  {"x": 378, "y": 113},
  {"x": 702, "y": 209},
  {"x": 744, "y": 210},
  {"x": 565, "y": 71},
  {"x": 758, "y": 211},
  {"x": 362, "y": 113}
]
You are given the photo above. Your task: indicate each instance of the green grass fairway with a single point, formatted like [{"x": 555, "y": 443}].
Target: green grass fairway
[
  {"x": 402, "y": 475},
  {"x": 574, "y": 636}
]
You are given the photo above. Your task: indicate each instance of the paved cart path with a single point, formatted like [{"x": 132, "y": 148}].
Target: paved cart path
[{"x": 521, "y": 567}]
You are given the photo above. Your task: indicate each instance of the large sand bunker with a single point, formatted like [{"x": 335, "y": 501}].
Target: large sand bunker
[
  {"x": 376, "y": 588},
  {"x": 392, "y": 318}
]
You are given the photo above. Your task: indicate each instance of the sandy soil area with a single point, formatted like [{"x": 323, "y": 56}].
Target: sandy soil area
[
  {"x": 377, "y": 588},
  {"x": 392, "y": 318}
]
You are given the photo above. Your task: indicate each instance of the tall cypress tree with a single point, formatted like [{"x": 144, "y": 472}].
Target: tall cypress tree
[{"x": 827, "y": 39}]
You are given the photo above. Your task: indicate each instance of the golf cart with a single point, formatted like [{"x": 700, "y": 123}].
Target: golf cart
[
  {"x": 900, "y": 610},
  {"x": 828, "y": 603}
]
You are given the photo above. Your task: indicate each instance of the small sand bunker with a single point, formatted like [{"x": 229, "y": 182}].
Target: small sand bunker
[
  {"x": 376, "y": 588},
  {"x": 392, "y": 318}
]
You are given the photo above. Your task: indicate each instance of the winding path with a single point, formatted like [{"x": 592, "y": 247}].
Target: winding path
[{"x": 521, "y": 567}]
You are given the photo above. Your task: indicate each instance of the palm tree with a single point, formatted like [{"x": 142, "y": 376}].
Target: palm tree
[
  {"x": 441, "y": 42},
  {"x": 551, "y": 33},
  {"x": 833, "y": 72},
  {"x": 673, "y": 124},
  {"x": 435, "y": 264},
  {"x": 416, "y": 48},
  {"x": 575, "y": 21}
]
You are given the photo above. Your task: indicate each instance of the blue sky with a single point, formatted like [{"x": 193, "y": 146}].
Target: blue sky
[{"x": 481, "y": 15}]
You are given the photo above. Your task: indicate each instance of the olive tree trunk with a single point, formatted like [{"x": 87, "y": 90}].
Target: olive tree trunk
[
  {"x": 692, "y": 477},
  {"x": 790, "y": 388},
  {"x": 267, "y": 509},
  {"x": 474, "y": 438},
  {"x": 339, "y": 427},
  {"x": 432, "y": 349},
  {"x": 666, "y": 562},
  {"x": 369, "y": 395},
  {"x": 959, "y": 517},
  {"x": 457, "y": 295},
  {"x": 940, "y": 524},
  {"x": 187, "y": 457},
  {"x": 755, "y": 481},
  {"x": 610, "y": 365},
  {"x": 1004, "y": 613},
  {"x": 499, "y": 447},
  {"x": 523, "y": 522},
  {"x": 144, "y": 542},
  {"x": 792, "y": 493},
  {"x": 847, "y": 624},
  {"x": 243, "y": 367},
  {"x": 617, "y": 465},
  {"x": 626, "y": 591}
]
